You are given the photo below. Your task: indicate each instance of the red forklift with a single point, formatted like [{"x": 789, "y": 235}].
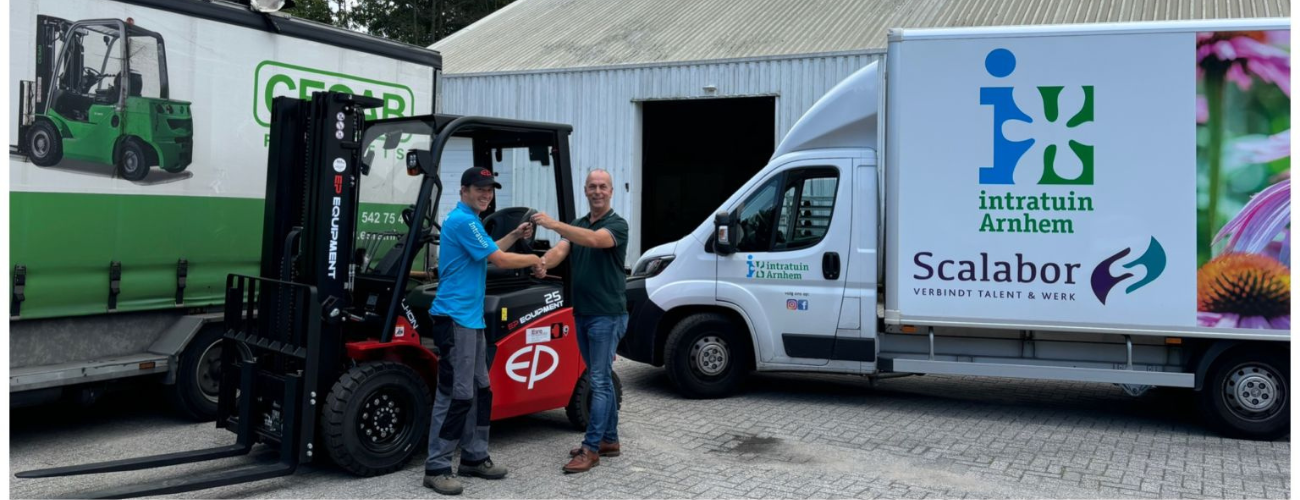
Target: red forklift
[{"x": 323, "y": 354}]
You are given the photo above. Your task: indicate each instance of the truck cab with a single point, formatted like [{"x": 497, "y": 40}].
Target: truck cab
[{"x": 785, "y": 276}]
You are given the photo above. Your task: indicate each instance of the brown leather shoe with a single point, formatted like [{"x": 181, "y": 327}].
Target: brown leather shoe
[
  {"x": 607, "y": 449},
  {"x": 583, "y": 462}
]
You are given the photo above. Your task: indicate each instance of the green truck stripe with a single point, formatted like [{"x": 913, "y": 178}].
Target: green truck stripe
[{"x": 67, "y": 241}]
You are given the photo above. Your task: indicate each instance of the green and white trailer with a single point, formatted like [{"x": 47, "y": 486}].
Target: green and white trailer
[{"x": 117, "y": 268}]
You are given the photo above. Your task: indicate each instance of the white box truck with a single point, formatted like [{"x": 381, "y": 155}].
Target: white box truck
[
  {"x": 137, "y": 158},
  {"x": 1104, "y": 203}
]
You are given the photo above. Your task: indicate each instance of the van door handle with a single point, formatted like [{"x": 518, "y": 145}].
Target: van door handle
[{"x": 831, "y": 265}]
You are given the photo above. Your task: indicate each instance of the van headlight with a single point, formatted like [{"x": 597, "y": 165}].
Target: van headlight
[{"x": 652, "y": 267}]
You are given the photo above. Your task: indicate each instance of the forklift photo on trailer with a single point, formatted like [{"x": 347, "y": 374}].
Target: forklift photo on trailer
[
  {"x": 323, "y": 353},
  {"x": 101, "y": 96}
]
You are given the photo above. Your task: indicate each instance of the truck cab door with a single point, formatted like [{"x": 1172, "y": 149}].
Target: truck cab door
[{"x": 788, "y": 270}]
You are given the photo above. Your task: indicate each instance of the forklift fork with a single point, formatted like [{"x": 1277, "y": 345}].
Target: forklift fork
[{"x": 282, "y": 358}]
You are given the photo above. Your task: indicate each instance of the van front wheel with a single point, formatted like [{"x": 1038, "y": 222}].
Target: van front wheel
[{"x": 706, "y": 357}]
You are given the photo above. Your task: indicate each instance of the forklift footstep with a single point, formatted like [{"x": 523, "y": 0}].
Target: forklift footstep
[{"x": 428, "y": 344}]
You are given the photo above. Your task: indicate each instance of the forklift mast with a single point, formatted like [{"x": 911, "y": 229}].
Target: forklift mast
[
  {"x": 49, "y": 30},
  {"x": 312, "y": 196}
]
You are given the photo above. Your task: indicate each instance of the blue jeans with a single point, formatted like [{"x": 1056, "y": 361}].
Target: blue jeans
[{"x": 598, "y": 337}]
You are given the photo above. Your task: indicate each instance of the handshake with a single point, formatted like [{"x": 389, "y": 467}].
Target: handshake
[
  {"x": 539, "y": 270},
  {"x": 541, "y": 219}
]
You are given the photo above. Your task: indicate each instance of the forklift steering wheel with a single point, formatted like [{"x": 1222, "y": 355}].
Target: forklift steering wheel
[
  {"x": 90, "y": 77},
  {"x": 501, "y": 222},
  {"x": 426, "y": 225}
]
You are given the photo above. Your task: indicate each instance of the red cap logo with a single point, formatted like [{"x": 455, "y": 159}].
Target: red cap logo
[{"x": 485, "y": 173}]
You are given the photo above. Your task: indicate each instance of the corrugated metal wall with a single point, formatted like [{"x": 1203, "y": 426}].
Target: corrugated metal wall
[
  {"x": 537, "y": 34},
  {"x": 602, "y": 105}
]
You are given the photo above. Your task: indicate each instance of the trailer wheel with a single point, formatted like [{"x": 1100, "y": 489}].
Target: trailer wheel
[
  {"x": 134, "y": 163},
  {"x": 1247, "y": 395},
  {"x": 376, "y": 417},
  {"x": 44, "y": 144},
  {"x": 579, "y": 408},
  {"x": 198, "y": 376},
  {"x": 705, "y": 356}
]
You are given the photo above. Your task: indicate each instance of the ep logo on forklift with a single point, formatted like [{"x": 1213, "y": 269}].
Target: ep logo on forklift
[{"x": 526, "y": 371}]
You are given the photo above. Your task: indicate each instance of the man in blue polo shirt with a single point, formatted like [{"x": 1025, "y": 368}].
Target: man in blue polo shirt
[{"x": 457, "y": 312}]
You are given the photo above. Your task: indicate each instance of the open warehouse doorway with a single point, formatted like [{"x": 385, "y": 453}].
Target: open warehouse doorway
[{"x": 694, "y": 154}]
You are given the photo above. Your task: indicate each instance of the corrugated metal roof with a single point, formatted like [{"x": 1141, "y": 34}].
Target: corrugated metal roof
[{"x": 548, "y": 34}]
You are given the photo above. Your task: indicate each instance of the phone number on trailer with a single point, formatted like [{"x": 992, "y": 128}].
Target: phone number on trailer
[{"x": 379, "y": 218}]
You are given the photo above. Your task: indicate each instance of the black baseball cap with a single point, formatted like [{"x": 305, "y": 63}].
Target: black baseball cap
[{"x": 478, "y": 176}]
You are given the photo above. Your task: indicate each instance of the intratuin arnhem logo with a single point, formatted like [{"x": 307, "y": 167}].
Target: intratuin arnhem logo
[
  {"x": 762, "y": 269},
  {"x": 1047, "y": 209}
]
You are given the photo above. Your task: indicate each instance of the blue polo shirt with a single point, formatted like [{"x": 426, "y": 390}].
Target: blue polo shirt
[{"x": 462, "y": 268}]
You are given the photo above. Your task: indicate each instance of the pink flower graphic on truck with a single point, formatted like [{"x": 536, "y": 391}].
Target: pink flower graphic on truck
[
  {"x": 1249, "y": 284},
  {"x": 1246, "y": 282}
]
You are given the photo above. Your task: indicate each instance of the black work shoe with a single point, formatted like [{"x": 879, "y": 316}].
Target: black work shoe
[
  {"x": 446, "y": 484},
  {"x": 485, "y": 470}
]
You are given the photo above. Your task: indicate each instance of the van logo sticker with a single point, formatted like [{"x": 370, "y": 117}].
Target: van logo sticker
[
  {"x": 762, "y": 269},
  {"x": 1048, "y": 210},
  {"x": 1152, "y": 262},
  {"x": 1007, "y": 154}
]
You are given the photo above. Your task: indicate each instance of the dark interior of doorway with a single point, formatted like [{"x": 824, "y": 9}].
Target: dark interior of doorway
[{"x": 695, "y": 153}]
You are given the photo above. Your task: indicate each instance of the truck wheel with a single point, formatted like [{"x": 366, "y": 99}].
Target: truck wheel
[
  {"x": 376, "y": 417},
  {"x": 44, "y": 144},
  {"x": 1246, "y": 395},
  {"x": 198, "y": 376},
  {"x": 579, "y": 408},
  {"x": 134, "y": 163},
  {"x": 705, "y": 356}
]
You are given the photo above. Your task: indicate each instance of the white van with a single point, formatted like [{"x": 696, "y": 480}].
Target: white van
[{"x": 1014, "y": 202}]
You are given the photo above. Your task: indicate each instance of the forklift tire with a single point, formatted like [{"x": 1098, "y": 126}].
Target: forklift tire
[
  {"x": 1247, "y": 395},
  {"x": 706, "y": 357},
  {"x": 198, "y": 376},
  {"x": 134, "y": 163},
  {"x": 376, "y": 417},
  {"x": 44, "y": 145},
  {"x": 579, "y": 408}
]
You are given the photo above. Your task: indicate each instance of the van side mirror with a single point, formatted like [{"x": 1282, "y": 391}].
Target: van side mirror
[{"x": 725, "y": 233}]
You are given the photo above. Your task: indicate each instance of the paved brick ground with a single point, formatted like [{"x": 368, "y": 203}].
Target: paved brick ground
[{"x": 786, "y": 436}]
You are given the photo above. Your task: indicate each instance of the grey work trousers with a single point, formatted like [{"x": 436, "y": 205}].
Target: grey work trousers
[{"x": 462, "y": 403}]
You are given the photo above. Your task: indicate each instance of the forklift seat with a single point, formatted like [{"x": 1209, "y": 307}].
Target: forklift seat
[
  {"x": 72, "y": 105},
  {"x": 135, "y": 84}
]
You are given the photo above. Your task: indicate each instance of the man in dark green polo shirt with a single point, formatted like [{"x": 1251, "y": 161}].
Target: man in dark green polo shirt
[{"x": 597, "y": 245}]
